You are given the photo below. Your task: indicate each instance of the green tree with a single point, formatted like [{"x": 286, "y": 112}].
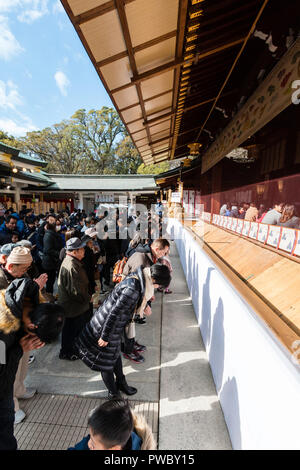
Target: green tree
[
  {"x": 93, "y": 142},
  {"x": 97, "y": 132},
  {"x": 127, "y": 159},
  {"x": 154, "y": 169},
  {"x": 7, "y": 139}
]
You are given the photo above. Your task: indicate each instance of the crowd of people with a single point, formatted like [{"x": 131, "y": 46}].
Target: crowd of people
[
  {"x": 282, "y": 214},
  {"x": 52, "y": 268}
]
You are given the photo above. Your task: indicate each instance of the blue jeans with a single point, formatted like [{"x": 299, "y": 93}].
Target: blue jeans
[{"x": 7, "y": 418}]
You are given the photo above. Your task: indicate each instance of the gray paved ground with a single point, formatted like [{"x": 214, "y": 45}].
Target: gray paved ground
[{"x": 174, "y": 384}]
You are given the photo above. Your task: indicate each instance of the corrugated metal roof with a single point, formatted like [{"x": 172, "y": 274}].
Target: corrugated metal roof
[{"x": 102, "y": 182}]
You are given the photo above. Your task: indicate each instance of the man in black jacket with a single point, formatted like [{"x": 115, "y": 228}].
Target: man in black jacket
[
  {"x": 52, "y": 244},
  {"x": 24, "y": 326}
]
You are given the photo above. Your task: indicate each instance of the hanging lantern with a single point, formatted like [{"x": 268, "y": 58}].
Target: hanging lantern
[
  {"x": 186, "y": 162},
  {"x": 194, "y": 148}
]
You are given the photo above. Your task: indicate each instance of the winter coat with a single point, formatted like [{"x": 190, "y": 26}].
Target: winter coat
[
  {"x": 137, "y": 260},
  {"x": 73, "y": 287},
  {"x": 11, "y": 330},
  {"x": 251, "y": 214},
  {"x": 52, "y": 246},
  {"x": 5, "y": 234},
  {"x": 89, "y": 262},
  {"x": 5, "y": 278},
  {"x": 141, "y": 437},
  {"x": 108, "y": 323}
]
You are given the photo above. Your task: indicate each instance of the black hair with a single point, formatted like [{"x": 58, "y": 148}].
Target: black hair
[
  {"x": 9, "y": 217},
  {"x": 161, "y": 274},
  {"x": 49, "y": 320},
  {"x": 51, "y": 227},
  {"x": 30, "y": 219},
  {"x": 112, "y": 422}
]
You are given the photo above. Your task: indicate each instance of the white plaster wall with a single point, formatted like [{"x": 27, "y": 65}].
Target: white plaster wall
[{"x": 257, "y": 383}]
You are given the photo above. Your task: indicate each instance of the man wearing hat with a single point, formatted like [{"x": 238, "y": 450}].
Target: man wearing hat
[
  {"x": 5, "y": 251},
  {"x": 73, "y": 295},
  {"x": 17, "y": 263}
]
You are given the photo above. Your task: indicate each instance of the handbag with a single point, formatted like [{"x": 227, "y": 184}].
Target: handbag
[{"x": 130, "y": 329}]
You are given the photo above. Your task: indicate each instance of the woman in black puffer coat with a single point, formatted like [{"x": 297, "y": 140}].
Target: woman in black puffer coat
[{"x": 99, "y": 343}]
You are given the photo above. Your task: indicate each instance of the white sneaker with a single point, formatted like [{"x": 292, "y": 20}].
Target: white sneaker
[
  {"x": 19, "y": 416},
  {"x": 30, "y": 392}
]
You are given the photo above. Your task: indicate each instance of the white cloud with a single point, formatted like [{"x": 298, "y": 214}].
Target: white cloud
[
  {"x": 9, "y": 46},
  {"x": 57, "y": 7},
  {"x": 9, "y": 95},
  {"x": 28, "y": 10},
  {"x": 8, "y": 5},
  {"x": 37, "y": 9},
  {"x": 17, "y": 129},
  {"x": 62, "y": 82}
]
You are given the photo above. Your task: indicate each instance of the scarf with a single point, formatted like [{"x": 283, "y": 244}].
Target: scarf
[{"x": 149, "y": 291}]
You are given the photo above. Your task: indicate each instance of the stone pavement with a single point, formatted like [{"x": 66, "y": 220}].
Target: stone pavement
[{"x": 176, "y": 391}]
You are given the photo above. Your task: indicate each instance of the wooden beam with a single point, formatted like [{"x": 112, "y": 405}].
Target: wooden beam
[
  {"x": 158, "y": 118},
  {"x": 125, "y": 29},
  {"x": 140, "y": 47},
  {"x": 146, "y": 100},
  {"x": 157, "y": 71},
  {"x": 234, "y": 64},
  {"x": 160, "y": 140},
  {"x": 155, "y": 133},
  {"x": 96, "y": 12},
  {"x": 181, "y": 21},
  {"x": 162, "y": 151},
  {"x": 174, "y": 64}
]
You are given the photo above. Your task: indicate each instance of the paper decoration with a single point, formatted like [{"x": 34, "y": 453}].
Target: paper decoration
[
  {"x": 175, "y": 197},
  {"x": 229, "y": 223},
  {"x": 253, "y": 230},
  {"x": 239, "y": 227},
  {"x": 274, "y": 236},
  {"x": 234, "y": 224},
  {"x": 206, "y": 216},
  {"x": 287, "y": 241},
  {"x": 191, "y": 204},
  {"x": 263, "y": 233},
  {"x": 218, "y": 219},
  {"x": 197, "y": 203},
  {"x": 246, "y": 228},
  {"x": 297, "y": 249},
  {"x": 185, "y": 200}
]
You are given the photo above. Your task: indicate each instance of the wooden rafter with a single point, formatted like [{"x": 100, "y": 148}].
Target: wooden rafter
[
  {"x": 146, "y": 100},
  {"x": 173, "y": 65},
  {"x": 140, "y": 47},
  {"x": 233, "y": 65},
  {"x": 125, "y": 29},
  {"x": 96, "y": 12},
  {"x": 182, "y": 13}
]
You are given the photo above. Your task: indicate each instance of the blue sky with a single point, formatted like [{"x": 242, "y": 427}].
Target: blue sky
[{"x": 45, "y": 73}]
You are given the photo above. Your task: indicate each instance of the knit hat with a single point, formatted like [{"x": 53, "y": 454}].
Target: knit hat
[
  {"x": 7, "y": 249},
  {"x": 20, "y": 255},
  {"x": 25, "y": 243}
]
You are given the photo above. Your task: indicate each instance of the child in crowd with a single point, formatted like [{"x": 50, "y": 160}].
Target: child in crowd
[{"x": 113, "y": 426}]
